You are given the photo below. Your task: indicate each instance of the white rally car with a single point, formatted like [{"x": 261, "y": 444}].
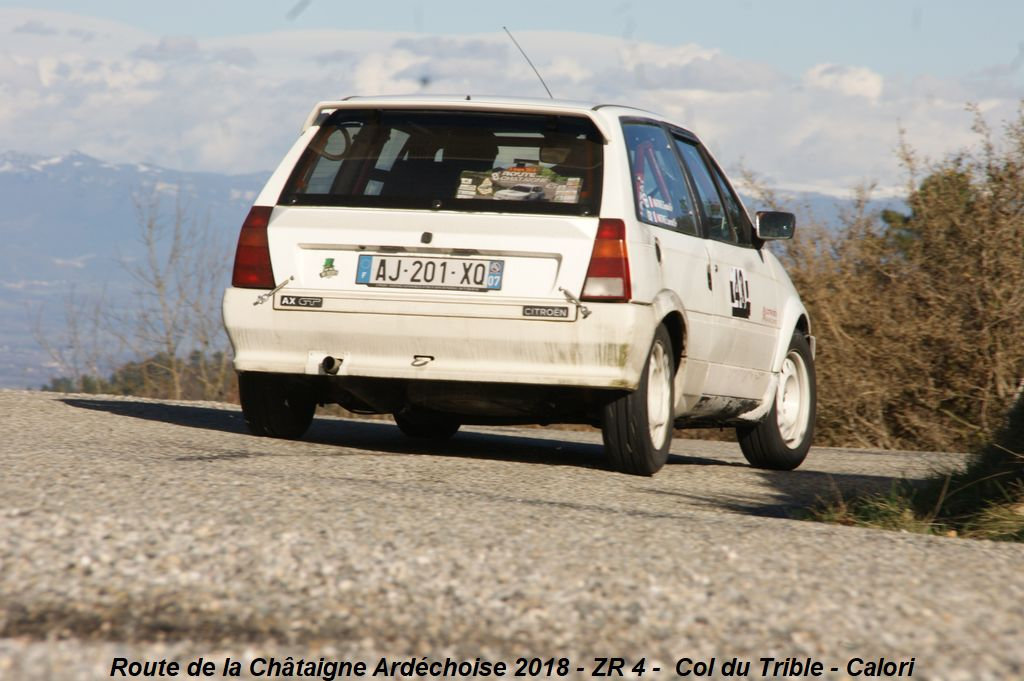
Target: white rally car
[{"x": 378, "y": 270}]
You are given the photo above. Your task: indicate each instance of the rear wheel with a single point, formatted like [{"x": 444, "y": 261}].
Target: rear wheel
[
  {"x": 637, "y": 427},
  {"x": 274, "y": 405},
  {"x": 781, "y": 441},
  {"x": 426, "y": 426}
]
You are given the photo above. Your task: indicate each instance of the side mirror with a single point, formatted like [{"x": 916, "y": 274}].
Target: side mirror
[{"x": 773, "y": 224}]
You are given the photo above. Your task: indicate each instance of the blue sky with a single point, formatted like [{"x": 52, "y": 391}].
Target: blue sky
[
  {"x": 812, "y": 95},
  {"x": 909, "y": 37}
]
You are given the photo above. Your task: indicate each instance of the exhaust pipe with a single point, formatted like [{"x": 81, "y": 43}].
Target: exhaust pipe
[{"x": 330, "y": 365}]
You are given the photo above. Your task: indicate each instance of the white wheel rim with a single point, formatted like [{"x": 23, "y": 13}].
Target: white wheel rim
[
  {"x": 792, "y": 403},
  {"x": 659, "y": 395}
]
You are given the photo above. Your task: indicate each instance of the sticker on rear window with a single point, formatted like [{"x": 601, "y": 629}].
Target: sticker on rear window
[{"x": 520, "y": 182}]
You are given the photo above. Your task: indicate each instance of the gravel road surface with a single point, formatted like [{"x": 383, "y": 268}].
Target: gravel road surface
[{"x": 162, "y": 531}]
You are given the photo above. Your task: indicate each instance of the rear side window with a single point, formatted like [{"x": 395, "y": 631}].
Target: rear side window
[
  {"x": 471, "y": 161},
  {"x": 659, "y": 188}
]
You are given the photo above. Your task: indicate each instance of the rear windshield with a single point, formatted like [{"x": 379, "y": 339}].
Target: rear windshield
[{"x": 472, "y": 161}]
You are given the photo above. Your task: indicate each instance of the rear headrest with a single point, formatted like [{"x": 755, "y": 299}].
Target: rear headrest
[{"x": 467, "y": 147}]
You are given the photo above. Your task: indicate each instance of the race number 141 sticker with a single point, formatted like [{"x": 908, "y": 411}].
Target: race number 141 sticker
[{"x": 739, "y": 293}]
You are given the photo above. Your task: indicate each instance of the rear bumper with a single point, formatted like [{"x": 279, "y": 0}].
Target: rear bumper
[{"x": 441, "y": 341}]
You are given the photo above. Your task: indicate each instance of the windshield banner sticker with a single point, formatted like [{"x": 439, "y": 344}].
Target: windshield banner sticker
[{"x": 522, "y": 182}]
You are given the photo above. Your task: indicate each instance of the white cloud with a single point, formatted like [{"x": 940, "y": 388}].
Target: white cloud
[
  {"x": 24, "y": 284},
  {"x": 234, "y": 104},
  {"x": 75, "y": 263},
  {"x": 853, "y": 81}
]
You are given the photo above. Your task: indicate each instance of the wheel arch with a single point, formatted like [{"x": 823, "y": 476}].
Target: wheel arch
[
  {"x": 794, "y": 318},
  {"x": 676, "y": 327},
  {"x": 671, "y": 313},
  {"x": 803, "y": 325}
]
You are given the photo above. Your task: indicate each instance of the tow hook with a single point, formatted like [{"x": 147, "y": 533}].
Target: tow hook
[{"x": 584, "y": 311}]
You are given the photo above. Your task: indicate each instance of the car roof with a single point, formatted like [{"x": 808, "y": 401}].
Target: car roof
[
  {"x": 482, "y": 102},
  {"x": 448, "y": 100}
]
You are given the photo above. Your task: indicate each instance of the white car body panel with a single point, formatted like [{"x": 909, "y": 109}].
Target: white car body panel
[
  {"x": 541, "y": 252},
  {"x": 383, "y": 339},
  {"x": 479, "y": 103}
]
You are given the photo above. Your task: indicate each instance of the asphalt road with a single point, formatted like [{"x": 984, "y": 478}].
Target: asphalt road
[{"x": 156, "y": 532}]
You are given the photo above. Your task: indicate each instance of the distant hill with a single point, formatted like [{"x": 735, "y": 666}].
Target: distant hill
[{"x": 69, "y": 222}]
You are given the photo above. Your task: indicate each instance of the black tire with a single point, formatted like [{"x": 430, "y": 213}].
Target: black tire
[
  {"x": 781, "y": 443},
  {"x": 637, "y": 427},
  {"x": 425, "y": 426},
  {"x": 274, "y": 405}
]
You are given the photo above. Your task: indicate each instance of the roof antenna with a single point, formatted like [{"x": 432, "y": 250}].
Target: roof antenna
[{"x": 528, "y": 61}]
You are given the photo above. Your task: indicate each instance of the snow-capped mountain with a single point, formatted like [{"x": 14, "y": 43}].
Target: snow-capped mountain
[{"x": 74, "y": 212}]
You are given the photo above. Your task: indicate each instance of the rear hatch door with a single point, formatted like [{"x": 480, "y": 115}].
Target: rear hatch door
[{"x": 440, "y": 206}]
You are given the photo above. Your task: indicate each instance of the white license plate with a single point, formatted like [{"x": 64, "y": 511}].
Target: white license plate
[{"x": 458, "y": 274}]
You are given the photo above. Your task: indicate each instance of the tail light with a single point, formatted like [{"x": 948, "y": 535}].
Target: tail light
[
  {"x": 252, "y": 257},
  {"x": 608, "y": 274}
]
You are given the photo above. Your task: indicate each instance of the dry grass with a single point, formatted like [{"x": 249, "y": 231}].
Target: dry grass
[{"x": 984, "y": 500}]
